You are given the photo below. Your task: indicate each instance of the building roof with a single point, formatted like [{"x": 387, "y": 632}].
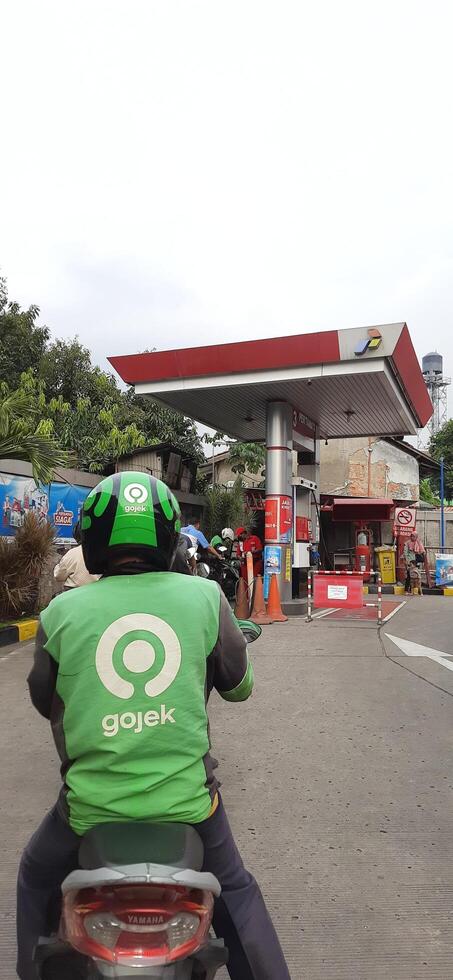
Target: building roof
[
  {"x": 336, "y": 379},
  {"x": 159, "y": 447},
  {"x": 217, "y": 458},
  {"x": 426, "y": 462}
]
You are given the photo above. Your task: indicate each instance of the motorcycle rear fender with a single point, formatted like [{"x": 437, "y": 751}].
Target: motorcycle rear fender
[{"x": 141, "y": 874}]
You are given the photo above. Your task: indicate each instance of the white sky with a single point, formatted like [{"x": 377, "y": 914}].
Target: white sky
[{"x": 175, "y": 173}]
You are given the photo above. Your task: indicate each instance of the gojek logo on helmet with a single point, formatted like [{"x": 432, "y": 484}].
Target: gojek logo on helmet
[
  {"x": 138, "y": 657},
  {"x": 136, "y": 495}
]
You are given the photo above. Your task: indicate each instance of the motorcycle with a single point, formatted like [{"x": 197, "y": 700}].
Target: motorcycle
[
  {"x": 139, "y": 905},
  {"x": 224, "y": 570}
]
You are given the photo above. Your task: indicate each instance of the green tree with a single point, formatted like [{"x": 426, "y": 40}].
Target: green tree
[
  {"x": 248, "y": 457},
  {"x": 427, "y": 494},
  {"x": 442, "y": 445},
  {"x": 66, "y": 370},
  {"x": 160, "y": 424},
  {"x": 245, "y": 457},
  {"x": 79, "y": 405},
  {"x": 21, "y": 436},
  {"x": 97, "y": 433},
  {"x": 23, "y": 343}
]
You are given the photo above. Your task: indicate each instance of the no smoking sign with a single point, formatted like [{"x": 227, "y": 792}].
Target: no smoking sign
[{"x": 405, "y": 519}]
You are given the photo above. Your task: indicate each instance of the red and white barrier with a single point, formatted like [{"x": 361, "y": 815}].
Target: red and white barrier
[{"x": 346, "y": 592}]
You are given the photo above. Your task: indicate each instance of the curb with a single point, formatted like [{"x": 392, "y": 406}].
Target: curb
[
  {"x": 24, "y": 629},
  {"x": 399, "y": 590},
  {"x": 371, "y": 589}
]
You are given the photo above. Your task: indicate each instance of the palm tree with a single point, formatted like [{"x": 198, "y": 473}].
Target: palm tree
[{"x": 20, "y": 437}]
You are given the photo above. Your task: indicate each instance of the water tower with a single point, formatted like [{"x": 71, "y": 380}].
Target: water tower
[{"x": 437, "y": 384}]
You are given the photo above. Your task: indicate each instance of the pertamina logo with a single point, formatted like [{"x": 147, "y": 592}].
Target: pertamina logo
[
  {"x": 138, "y": 657},
  {"x": 136, "y": 495},
  {"x": 372, "y": 342}
]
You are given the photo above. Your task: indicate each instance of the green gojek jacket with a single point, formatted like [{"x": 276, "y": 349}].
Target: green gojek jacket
[{"x": 123, "y": 669}]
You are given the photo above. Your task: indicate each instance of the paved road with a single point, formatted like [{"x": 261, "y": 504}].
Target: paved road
[{"x": 338, "y": 781}]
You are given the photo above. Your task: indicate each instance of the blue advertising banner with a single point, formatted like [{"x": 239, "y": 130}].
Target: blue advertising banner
[
  {"x": 272, "y": 565},
  {"x": 444, "y": 570},
  {"x": 58, "y": 503}
]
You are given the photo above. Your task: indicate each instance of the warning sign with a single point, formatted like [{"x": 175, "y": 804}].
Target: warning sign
[
  {"x": 405, "y": 520},
  {"x": 288, "y": 565},
  {"x": 278, "y": 518},
  {"x": 271, "y": 519},
  {"x": 286, "y": 518},
  {"x": 337, "y": 592}
]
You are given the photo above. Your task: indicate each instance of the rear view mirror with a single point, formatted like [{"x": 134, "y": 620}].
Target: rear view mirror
[
  {"x": 250, "y": 631},
  {"x": 203, "y": 569}
]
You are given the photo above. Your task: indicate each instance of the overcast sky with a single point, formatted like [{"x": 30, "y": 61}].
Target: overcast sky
[{"x": 175, "y": 173}]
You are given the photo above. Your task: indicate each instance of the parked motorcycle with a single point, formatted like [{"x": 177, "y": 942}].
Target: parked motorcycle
[{"x": 139, "y": 905}]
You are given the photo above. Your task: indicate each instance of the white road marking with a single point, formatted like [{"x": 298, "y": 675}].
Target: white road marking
[
  {"x": 12, "y": 653},
  {"x": 395, "y": 610},
  {"x": 323, "y": 613},
  {"x": 329, "y": 612},
  {"x": 412, "y": 649}
]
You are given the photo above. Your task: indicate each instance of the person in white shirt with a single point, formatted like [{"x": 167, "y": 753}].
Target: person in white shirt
[{"x": 71, "y": 570}]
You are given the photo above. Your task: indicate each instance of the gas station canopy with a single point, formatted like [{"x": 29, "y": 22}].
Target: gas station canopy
[{"x": 355, "y": 382}]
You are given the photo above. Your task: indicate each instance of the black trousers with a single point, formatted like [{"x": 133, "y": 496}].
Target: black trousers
[{"x": 240, "y": 915}]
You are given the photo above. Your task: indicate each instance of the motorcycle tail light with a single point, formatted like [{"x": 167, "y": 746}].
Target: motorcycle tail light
[{"x": 132, "y": 925}]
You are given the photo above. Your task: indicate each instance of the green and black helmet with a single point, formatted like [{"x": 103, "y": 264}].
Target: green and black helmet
[{"x": 130, "y": 514}]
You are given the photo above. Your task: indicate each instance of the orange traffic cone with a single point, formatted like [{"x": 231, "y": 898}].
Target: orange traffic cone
[
  {"x": 259, "y": 614},
  {"x": 241, "y": 608},
  {"x": 274, "y": 608}
]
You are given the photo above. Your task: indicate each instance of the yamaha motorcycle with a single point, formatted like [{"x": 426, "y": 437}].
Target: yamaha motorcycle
[{"x": 138, "y": 907}]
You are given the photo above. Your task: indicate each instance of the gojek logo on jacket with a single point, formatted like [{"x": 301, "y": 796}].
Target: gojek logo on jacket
[{"x": 138, "y": 656}]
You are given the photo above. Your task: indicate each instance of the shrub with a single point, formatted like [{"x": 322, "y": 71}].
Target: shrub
[{"x": 22, "y": 559}]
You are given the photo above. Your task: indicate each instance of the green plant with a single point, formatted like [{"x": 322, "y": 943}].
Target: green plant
[
  {"x": 245, "y": 457},
  {"x": 427, "y": 494},
  {"x": 22, "y": 559},
  {"x": 22, "y": 438},
  {"x": 78, "y": 406},
  {"x": 441, "y": 445},
  {"x": 226, "y": 508}
]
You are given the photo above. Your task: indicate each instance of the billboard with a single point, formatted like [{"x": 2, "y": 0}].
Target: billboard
[
  {"x": 58, "y": 503},
  {"x": 444, "y": 570}
]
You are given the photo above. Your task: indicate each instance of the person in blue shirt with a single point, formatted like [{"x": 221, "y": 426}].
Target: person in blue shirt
[{"x": 197, "y": 537}]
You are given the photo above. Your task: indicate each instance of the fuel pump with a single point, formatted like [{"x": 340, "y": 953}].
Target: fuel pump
[
  {"x": 363, "y": 551},
  {"x": 305, "y": 487}
]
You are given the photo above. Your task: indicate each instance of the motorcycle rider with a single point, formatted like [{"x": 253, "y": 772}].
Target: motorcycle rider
[
  {"x": 96, "y": 654},
  {"x": 71, "y": 571},
  {"x": 194, "y": 532},
  {"x": 216, "y": 542},
  {"x": 182, "y": 563},
  {"x": 228, "y": 539}
]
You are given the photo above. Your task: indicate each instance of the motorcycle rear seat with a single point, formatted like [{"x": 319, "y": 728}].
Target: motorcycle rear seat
[{"x": 111, "y": 845}]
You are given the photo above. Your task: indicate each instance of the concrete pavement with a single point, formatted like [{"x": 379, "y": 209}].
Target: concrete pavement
[{"x": 337, "y": 777}]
